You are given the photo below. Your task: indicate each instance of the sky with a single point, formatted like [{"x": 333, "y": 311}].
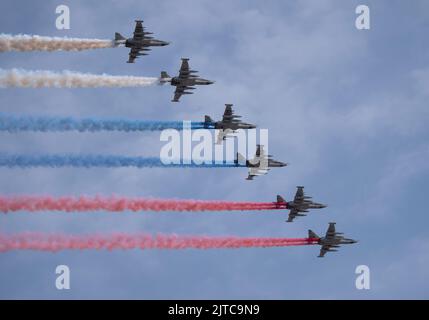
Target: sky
[{"x": 346, "y": 108}]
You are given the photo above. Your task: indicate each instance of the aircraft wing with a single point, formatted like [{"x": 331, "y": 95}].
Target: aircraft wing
[
  {"x": 255, "y": 171},
  {"x": 260, "y": 151},
  {"x": 249, "y": 177},
  {"x": 184, "y": 71},
  {"x": 222, "y": 135},
  {"x": 299, "y": 195},
  {"x": 178, "y": 93},
  {"x": 331, "y": 233},
  {"x": 228, "y": 115},
  {"x": 132, "y": 55},
  {"x": 263, "y": 163},
  {"x": 292, "y": 215},
  {"x": 323, "y": 250},
  {"x": 139, "y": 31}
]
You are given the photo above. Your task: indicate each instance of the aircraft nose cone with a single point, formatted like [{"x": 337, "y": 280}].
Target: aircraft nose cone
[{"x": 165, "y": 43}]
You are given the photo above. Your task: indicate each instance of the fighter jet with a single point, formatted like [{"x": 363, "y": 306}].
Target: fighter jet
[
  {"x": 332, "y": 239},
  {"x": 184, "y": 81},
  {"x": 301, "y": 203},
  {"x": 139, "y": 43},
  {"x": 228, "y": 124},
  {"x": 260, "y": 164}
]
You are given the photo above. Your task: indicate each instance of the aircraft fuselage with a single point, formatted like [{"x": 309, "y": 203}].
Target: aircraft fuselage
[
  {"x": 305, "y": 205},
  {"x": 176, "y": 81},
  {"x": 233, "y": 126},
  {"x": 270, "y": 164},
  {"x": 337, "y": 241},
  {"x": 132, "y": 43}
]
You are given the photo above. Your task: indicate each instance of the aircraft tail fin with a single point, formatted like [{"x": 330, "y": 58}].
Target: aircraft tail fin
[
  {"x": 312, "y": 234},
  {"x": 240, "y": 158},
  {"x": 165, "y": 78},
  {"x": 119, "y": 37},
  {"x": 164, "y": 75},
  {"x": 208, "y": 119},
  {"x": 280, "y": 199}
]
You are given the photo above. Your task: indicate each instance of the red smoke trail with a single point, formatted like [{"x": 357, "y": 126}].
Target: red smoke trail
[
  {"x": 57, "y": 242},
  {"x": 69, "y": 204}
]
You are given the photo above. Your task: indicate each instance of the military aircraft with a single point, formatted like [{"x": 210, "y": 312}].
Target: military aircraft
[
  {"x": 229, "y": 124},
  {"x": 301, "y": 203},
  {"x": 139, "y": 43},
  {"x": 260, "y": 164},
  {"x": 184, "y": 81},
  {"x": 332, "y": 239}
]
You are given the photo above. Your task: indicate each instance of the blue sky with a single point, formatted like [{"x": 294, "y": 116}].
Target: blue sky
[{"x": 346, "y": 108}]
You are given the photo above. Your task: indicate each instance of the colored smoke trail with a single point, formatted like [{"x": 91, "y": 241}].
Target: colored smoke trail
[
  {"x": 68, "y": 79},
  {"x": 58, "y": 242},
  {"x": 24, "y": 42},
  {"x": 44, "y": 124},
  {"x": 107, "y": 161},
  {"x": 119, "y": 204}
]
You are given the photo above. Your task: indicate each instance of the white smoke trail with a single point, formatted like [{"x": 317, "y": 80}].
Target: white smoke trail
[
  {"x": 68, "y": 79},
  {"x": 23, "y": 42}
]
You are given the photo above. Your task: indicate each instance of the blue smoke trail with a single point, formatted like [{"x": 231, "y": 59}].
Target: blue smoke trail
[
  {"x": 88, "y": 161},
  {"x": 43, "y": 124}
]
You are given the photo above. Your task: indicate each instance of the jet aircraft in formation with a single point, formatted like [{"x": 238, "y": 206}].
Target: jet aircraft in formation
[
  {"x": 185, "y": 81},
  {"x": 301, "y": 203},
  {"x": 229, "y": 124},
  {"x": 260, "y": 164},
  {"x": 332, "y": 239},
  {"x": 139, "y": 43}
]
